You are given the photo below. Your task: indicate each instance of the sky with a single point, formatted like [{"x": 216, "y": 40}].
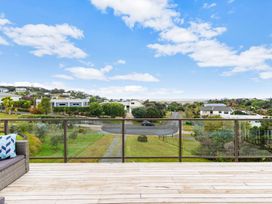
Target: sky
[{"x": 144, "y": 49}]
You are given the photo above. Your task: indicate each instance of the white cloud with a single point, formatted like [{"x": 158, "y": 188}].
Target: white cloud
[
  {"x": 90, "y": 73},
  {"x": 230, "y": 1},
  {"x": 139, "y": 92},
  {"x": 155, "y": 14},
  {"x": 121, "y": 61},
  {"x": 63, "y": 76},
  {"x": 3, "y": 41},
  {"x": 266, "y": 75},
  {"x": 208, "y": 6},
  {"x": 198, "y": 40},
  {"x": 48, "y": 39},
  {"x": 144, "y": 77},
  {"x": 49, "y": 85},
  {"x": 4, "y": 21}
]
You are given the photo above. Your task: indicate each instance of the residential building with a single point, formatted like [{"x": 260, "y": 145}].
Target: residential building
[
  {"x": 131, "y": 104},
  {"x": 215, "y": 110},
  {"x": 4, "y": 90},
  {"x": 67, "y": 102},
  {"x": 20, "y": 89},
  {"x": 13, "y": 97}
]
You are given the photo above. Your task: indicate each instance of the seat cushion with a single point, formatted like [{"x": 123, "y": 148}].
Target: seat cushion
[
  {"x": 9, "y": 162},
  {"x": 7, "y": 146},
  {"x": 2, "y": 200}
]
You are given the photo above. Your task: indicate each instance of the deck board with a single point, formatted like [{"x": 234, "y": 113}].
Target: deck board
[{"x": 143, "y": 183}]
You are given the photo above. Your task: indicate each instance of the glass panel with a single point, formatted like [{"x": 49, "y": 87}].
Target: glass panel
[
  {"x": 45, "y": 138},
  {"x": 256, "y": 138},
  {"x": 151, "y": 139},
  {"x": 208, "y": 138},
  {"x": 92, "y": 138}
]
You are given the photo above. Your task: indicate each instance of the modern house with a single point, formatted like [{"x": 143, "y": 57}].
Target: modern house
[
  {"x": 131, "y": 104},
  {"x": 215, "y": 110},
  {"x": 67, "y": 102},
  {"x": 20, "y": 90},
  {"x": 4, "y": 90},
  {"x": 13, "y": 97}
]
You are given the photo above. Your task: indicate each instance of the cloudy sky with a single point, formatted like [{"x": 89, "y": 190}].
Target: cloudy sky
[{"x": 157, "y": 49}]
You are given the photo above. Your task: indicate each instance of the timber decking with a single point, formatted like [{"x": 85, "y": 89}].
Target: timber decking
[{"x": 143, "y": 183}]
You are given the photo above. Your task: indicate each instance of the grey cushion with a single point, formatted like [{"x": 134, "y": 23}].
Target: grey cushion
[
  {"x": 2, "y": 200},
  {"x": 9, "y": 162}
]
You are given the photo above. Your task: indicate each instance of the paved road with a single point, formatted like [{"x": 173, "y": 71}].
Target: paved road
[{"x": 169, "y": 128}]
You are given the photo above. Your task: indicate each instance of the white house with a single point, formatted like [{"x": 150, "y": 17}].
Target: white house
[
  {"x": 3, "y": 90},
  {"x": 131, "y": 104},
  {"x": 215, "y": 110},
  {"x": 67, "y": 102},
  {"x": 13, "y": 97},
  {"x": 20, "y": 90}
]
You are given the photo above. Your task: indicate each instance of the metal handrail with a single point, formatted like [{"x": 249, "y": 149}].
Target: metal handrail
[{"x": 123, "y": 157}]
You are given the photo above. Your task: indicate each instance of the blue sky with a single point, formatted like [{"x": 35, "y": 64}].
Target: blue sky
[{"x": 157, "y": 49}]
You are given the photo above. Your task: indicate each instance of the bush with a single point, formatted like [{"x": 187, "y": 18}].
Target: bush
[
  {"x": 96, "y": 109},
  {"x": 142, "y": 138},
  {"x": 113, "y": 109},
  {"x": 41, "y": 130},
  {"x": 73, "y": 135},
  {"x": 56, "y": 140},
  {"x": 22, "y": 127},
  {"x": 82, "y": 130},
  {"x": 35, "y": 144}
]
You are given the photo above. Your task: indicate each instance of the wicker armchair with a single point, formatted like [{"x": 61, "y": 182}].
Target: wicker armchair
[{"x": 12, "y": 169}]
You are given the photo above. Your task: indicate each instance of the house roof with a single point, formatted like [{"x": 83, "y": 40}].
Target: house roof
[{"x": 216, "y": 107}]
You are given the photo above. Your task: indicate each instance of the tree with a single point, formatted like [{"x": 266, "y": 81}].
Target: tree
[
  {"x": 96, "y": 109},
  {"x": 113, "y": 109},
  {"x": 147, "y": 112},
  {"x": 45, "y": 105},
  {"x": 8, "y": 103},
  {"x": 139, "y": 112}
]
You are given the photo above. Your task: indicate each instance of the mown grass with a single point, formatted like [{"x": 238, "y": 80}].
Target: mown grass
[{"x": 156, "y": 147}]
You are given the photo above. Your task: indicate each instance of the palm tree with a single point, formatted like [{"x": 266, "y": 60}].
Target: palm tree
[{"x": 8, "y": 104}]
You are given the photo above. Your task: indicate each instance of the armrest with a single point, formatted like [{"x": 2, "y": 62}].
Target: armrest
[{"x": 22, "y": 148}]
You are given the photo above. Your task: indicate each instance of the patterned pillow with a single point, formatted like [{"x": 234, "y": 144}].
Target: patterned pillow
[{"x": 7, "y": 146}]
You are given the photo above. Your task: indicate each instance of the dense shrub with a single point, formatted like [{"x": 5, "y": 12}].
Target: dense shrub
[
  {"x": 35, "y": 144},
  {"x": 113, "y": 109},
  {"x": 40, "y": 130},
  {"x": 56, "y": 140},
  {"x": 96, "y": 109},
  {"x": 142, "y": 138},
  {"x": 73, "y": 135}
]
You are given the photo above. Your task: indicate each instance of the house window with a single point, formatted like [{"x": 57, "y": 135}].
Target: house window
[
  {"x": 220, "y": 111},
  {"x": 226, "y": 112},
  {"x": 211, "y": 112}
]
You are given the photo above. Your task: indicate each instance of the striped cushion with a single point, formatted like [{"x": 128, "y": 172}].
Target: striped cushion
[{"x": 7, "y": 146}]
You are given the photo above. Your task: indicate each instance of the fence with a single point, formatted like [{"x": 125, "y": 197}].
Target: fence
[{"x": 240, "y": 137}]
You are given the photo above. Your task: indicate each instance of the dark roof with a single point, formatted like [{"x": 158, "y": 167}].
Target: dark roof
[{"x": 216, "y": 108}]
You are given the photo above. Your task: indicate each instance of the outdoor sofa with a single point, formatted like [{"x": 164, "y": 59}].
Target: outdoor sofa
[{"x": 12, "y": 169}]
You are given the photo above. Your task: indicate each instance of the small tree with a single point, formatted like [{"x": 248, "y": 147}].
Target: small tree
[
  {"x": 96, "y": 109},
  {"x": 113, "y": 109},
  {"x": 8, "y": 104},
  {"x": 45, "y": 105}
]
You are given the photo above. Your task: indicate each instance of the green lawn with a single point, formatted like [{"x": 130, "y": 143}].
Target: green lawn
[
  {"x": 160, "y": 147},
  {"x": 87, "y": 144},
  {"x": 7, "y": 116}
]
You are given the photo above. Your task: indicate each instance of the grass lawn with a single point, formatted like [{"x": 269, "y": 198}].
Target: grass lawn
[
  {"x": 87, "y": 144},
  {"x": 160, "y": 147},
  {"x": 7, "y": 116}
]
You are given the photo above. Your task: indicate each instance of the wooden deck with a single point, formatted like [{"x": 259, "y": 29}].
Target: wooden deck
[{"x": 143, "y": 183}]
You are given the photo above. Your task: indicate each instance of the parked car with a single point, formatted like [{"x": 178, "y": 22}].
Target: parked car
[{"x": 147, "y": 123}]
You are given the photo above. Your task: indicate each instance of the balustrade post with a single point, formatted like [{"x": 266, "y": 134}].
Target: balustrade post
[
  {"x": 123, "y": 140},
  {"x": 65, "y": 141},
  {"x": 236, "y": 140},
  {"x": 6, "y": 129},
  {"x": 180, "y": 140}
]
